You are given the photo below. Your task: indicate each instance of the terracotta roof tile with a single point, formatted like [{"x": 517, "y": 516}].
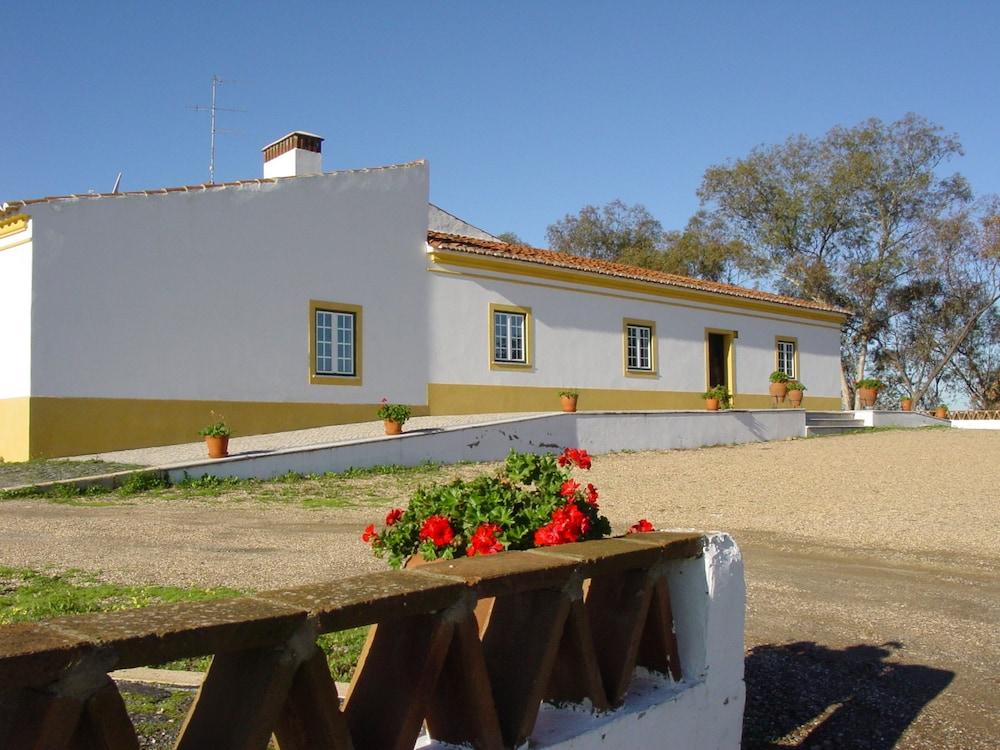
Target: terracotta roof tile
[{"x": 528, "y": 254}]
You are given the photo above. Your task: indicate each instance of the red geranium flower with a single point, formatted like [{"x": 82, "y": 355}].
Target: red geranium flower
[
  {"x": 369, "y": 533},
  {"x": 641, "y": 526},
  {"x": 591, "y": 494},
  {"x": 569, "y": 488},
  {"x": 484, "y": 541},
  {"x": 393, "y": 516},
  {"x": 575, "y": 456},
  {"x": 438, "y": 530},
  {"x": 547, "y": 536}
]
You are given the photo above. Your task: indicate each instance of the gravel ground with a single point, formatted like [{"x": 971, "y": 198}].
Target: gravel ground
[{"x": 872, "y": 569}]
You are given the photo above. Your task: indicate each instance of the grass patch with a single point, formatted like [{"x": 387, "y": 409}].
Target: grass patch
[
  {"x": 377, "y": 485},
  {"x": 28, "y": 595}
]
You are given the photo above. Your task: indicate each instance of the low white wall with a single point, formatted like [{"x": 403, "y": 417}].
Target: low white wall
[
  {"x": 598, "y": 432},
  {"x": 976, "y": 424},
  {"x": 885, "y": 418},
  {"x": 704, "y": 709}
]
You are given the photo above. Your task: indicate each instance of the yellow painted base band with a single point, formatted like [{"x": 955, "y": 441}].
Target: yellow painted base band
[
  {"x": 14, "y": 429},
  {"x": 476, "y": 399},
  {"x": 76, "y": 426},
  {"x": 49, "y": 427}
]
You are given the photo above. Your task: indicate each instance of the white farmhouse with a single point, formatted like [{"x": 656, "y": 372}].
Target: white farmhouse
[{"x": 302, "y": 298}]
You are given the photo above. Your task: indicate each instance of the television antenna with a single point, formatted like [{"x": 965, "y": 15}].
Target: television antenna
[{"x": 212, "y": 109}]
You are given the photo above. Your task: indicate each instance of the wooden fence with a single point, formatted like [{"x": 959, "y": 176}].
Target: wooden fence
[
  {"x": 975, "y": 414},
  {"x": 565, "y": 623}
]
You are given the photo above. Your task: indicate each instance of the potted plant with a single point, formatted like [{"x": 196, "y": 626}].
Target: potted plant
[
  {"x": 942, "y": 411},
  {"x": 906, "y": 403},
  {"x": 393, "y": 416},
  {"x": 568, "y": 399},
  {"x": 716, "y": 398},
  {"x": 868, "y": 389},
  {"x": 779, "y": 385},
  {"x": 216, "y": 438},
  {"x": 531, "y": 501},
  {"x": 795, "y": 393}
]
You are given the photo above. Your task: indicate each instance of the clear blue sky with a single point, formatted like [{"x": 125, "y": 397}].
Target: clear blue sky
[{"x": 526, "y": 111}]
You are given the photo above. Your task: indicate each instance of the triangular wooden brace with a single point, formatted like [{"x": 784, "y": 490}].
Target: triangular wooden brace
[
  {"x": 658, "y": 650},
  {"x": 394, "y": 679},
  {"x": 239, "y": 701},
  {"x": 311, "y": 716},
  {"x": 576, "y": 674},
  {"x": 39, "y": 720},
  {"x": 617, "y": 605},
  {"x": 461, "y": 708},
  {"x": 520, "y": 645},
  {"x": 105, "y": 723}
]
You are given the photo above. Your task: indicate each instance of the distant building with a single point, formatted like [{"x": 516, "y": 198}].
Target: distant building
[{"x": 303, "y": 298}]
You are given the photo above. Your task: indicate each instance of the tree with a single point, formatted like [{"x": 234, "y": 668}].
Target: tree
[
  {"x": 607, "y": 232},
  {"x": 510, "y": 238},
  {"x": 843, "y": 219}
]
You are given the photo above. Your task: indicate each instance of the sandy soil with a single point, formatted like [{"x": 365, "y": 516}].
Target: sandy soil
[{"x": 872, "y": 566}]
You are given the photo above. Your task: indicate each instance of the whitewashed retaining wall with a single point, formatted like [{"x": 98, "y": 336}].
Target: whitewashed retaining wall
[
  {"x": 886, "y": 418},
  {"x": 976, "y": 424},
  {"x": 598, "y": 432},
  {"x": 705, "y": 710}
]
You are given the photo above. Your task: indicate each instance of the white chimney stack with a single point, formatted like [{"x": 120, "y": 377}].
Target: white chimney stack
[{"x": 292, "y": 155}]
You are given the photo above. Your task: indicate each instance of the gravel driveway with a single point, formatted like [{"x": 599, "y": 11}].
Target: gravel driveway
[{"x": 872, "y": 569}]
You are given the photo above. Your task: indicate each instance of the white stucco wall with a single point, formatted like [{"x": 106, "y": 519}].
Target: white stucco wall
[
  {"x": 205, "y": 295},
  {"x": 887, "y": 418},
  {"x": 578, "y": 339},
  {"x": 598, "y": 432},
  {"x": 15, "y": 314},
  {"x": 976, "y": 424},
  {"x": 704, "y": 711}
]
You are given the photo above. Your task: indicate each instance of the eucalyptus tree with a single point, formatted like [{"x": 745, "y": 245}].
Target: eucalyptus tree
[{"x": 842, "y": 219}]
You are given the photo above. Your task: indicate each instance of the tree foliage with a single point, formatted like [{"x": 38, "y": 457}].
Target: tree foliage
[{"x": 847, "y": 219}]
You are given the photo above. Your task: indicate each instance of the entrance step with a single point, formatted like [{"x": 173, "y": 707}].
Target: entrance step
[{"x": 832, "y": 423}]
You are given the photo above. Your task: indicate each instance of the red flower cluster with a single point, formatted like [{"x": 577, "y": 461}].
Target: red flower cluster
[
  {"x": 568, "y": 524},
  {"x": 569, "y": 488},
  {"x": 438, "y": 530},
  {"x": 393, "y": 516},
  {"x": 591, "y": 494},
  {"x": 369, "y": 534},
  {"x": 484, "y": 541},
  {"x": 641, "y": 526},
  {"x": 575, "y": 456}
]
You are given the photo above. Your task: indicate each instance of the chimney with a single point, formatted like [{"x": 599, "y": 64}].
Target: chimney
[{"x": 292, "y": 155}]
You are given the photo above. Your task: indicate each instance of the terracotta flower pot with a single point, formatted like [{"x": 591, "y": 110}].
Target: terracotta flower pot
[
  {"x": 778, "y": 390},
  {"x": 795, "y": 397},
  {"x": 941, "y": 413},
  {"x": 712, "y": 404},
  {"x": 568, "y": 403},
  {"x": 867, "y": 396},
  {"x": 392, "y": 427},
  {"x": 218, "y": 447},
  {"x": 906, "y": 404}
]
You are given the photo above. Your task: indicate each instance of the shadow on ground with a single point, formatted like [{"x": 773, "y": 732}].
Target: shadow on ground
[{"x": 804, "y": 695}]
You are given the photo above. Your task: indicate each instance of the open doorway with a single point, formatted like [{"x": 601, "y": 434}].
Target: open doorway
[{"x": 719, "y": 359}]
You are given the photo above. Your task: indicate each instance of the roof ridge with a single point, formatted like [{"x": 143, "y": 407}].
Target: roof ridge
[
  {"x": 199, "y": 187},
  {"x": 529, "y": 254}
]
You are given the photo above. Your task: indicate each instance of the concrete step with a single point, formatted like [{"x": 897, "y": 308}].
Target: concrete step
[{"x": 834, "y": 429}]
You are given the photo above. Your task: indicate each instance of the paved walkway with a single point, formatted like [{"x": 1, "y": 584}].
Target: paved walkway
[{"x": 169, "y": 455}]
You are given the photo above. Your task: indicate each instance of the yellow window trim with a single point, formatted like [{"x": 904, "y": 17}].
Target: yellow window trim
[
  {"x": 654, "y": 372},
  {"x": 13, "y": 224},
  {"x": 529, "y": 339},
  {"x": 795, "y": 355},
  {"x": 326, "y": 306},
  {"x": 731, "y": 337}
]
